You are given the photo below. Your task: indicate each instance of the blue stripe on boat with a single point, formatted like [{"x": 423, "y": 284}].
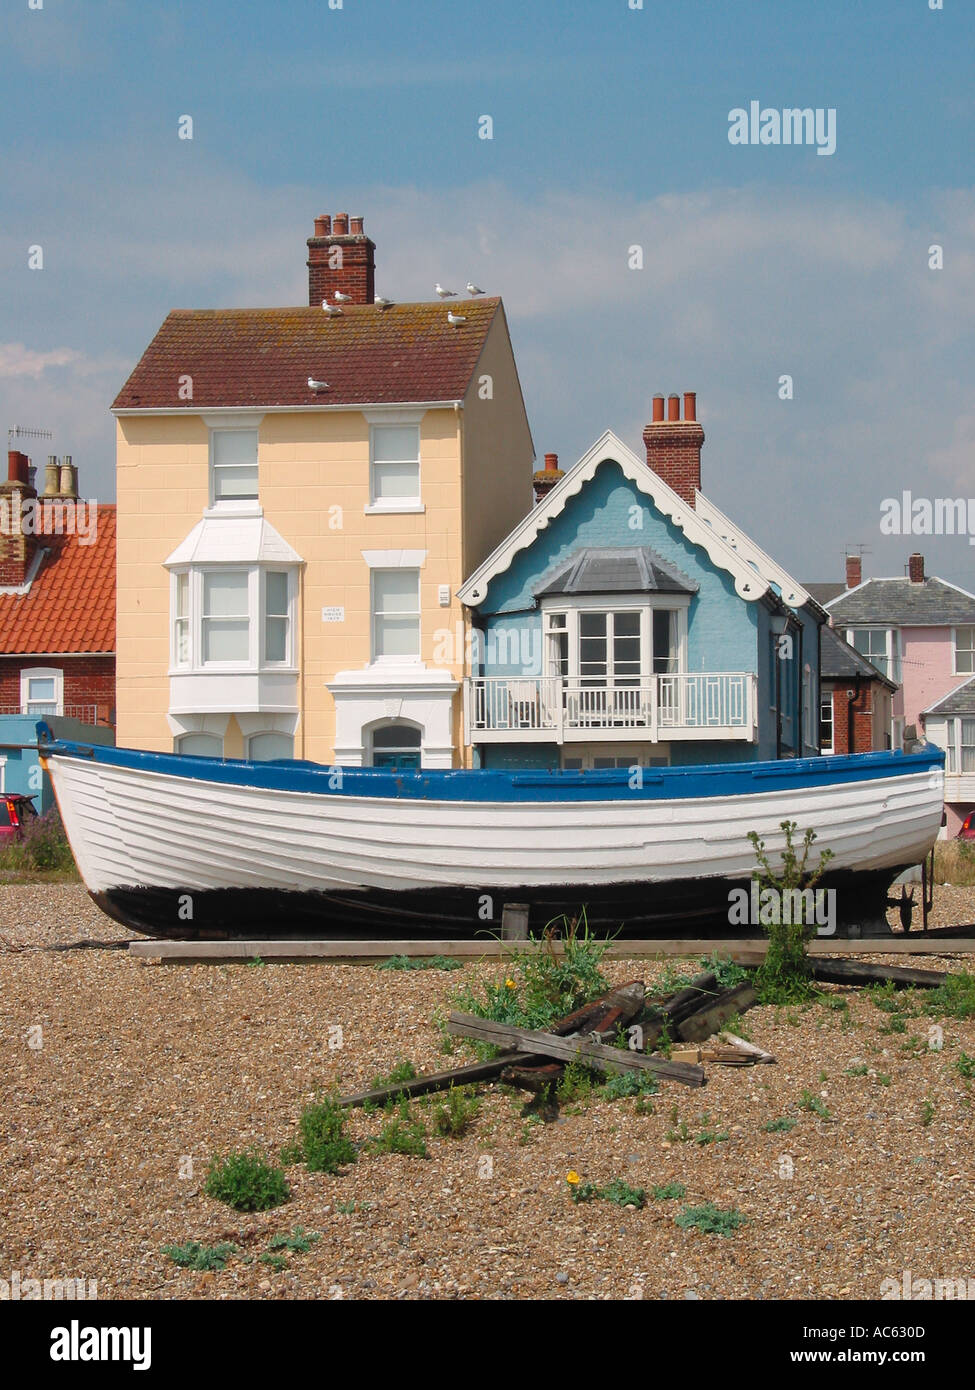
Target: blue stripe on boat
[{"x": 658, "y": 784}]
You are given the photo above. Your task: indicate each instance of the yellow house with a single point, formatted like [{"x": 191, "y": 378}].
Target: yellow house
[{"x": 301, "y": 493}]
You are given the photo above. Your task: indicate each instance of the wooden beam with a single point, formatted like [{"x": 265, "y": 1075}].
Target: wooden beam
[
  {"x": 710, "y": 1018},
  {"x": 858, "y": 972},
  {"x": 571, "y": 1049}
]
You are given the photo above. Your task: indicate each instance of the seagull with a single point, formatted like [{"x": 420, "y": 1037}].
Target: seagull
[
  {"x": 444, "y": 294},
  {"x": 473, "y": 290},
  {"x": 381, "y": 302},
  {"x": 314, "y": 385},
  {"x": 341, "y": 298},
  {"x": 455, "y": 319},
  {"x": 330, "y": 309}
]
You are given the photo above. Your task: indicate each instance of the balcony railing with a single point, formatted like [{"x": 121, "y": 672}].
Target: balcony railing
[
  {"x": 87, "y": 714},
  {"x": 710, "y": 704}
]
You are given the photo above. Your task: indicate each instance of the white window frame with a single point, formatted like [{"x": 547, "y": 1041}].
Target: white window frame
[
  {"x": 30, "y": 673},
  {"x": 221, "y": 505},
  {"x": 263, "y": 733},
  {"x": 955, "y": 670},
  {"x": 954, "y": 745},
  {"x": 412, "y": 659},
  {"x": 892, "y": 648},
  {"x": 198, "y": 733},
  {"x": 257, "y": 659},
  {"x": 606, "y": 603},
  {"x": 392, "y": 506},
  {"x": 826, "y": 698}
]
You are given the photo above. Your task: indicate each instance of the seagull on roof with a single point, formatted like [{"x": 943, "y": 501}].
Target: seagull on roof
[
  {"x": 473, "y": 290},
  {"x": 455, "y": 319},
  {"x": 330, "y": 309},
  {"x": 341, "y": 298},
  {"x": 444, "y": 294},
  {"x": 314, "y": 385},
  {"x": 382, "y": 302}
]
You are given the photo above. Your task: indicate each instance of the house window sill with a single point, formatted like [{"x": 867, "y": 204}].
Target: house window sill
[{"x": 393, "y": 509}]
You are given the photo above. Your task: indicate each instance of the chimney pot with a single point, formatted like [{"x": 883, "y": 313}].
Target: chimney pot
[
  {"x": 340, "y": 224},
  {"x": 355, "y": 226},
  {"x": 658, "y": 409},
  {"x": 674, "y": 445},
  {"x": 323, "y": 225},
  {"x": 690, "y": 405},
  {"x": 915, "y": 568},
  {"x": 551, "y": 462},
  {"x": 52, "y": 476},
  {"x": 854, "y": 571},
  {"x": 68, "y": 478},
  {"x": 673, "y": 407}
]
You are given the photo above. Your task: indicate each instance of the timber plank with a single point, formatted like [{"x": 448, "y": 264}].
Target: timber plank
[
  {"x": 857, "y": 972},
  {"x": 709, "y": 1019}
]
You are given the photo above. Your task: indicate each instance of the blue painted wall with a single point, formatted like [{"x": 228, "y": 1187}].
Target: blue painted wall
[{"x": 18, "y": 745}]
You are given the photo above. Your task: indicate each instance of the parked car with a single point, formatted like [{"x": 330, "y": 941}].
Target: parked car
[
  {"x": 967, "y": 831},
  {"x": 15, "y": 812}
]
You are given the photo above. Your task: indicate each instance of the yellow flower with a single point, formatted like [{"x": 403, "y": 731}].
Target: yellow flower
[
  {"x": 573, "y": 1177},
  {"x": 510, "y": 984}
]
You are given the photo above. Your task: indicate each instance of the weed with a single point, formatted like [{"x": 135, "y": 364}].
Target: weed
[
  {"x": 246, "y": 1181},
  {"x": 726, "y": 971},
  {"x": 256, "y": 962},
  {"x": 678, "y": 1134},
  {"x": 402, "y": 1134},
  {"x": 419, "y": 963},
  {"x": 807, "y": 1101},
  {"x": 784, "y": 975},
  {"x": 616, "y": 1191},
  {"x": 629, "y": 1083},
  {"x": 780, "y": 1126},
  {"x": 955, "y": 998},
  {"x": 896, "y": 1023},
  {"x": 324, "y": 1146},
  {"x": 737, "y": 1025},
  {"x": 576, "y": 1083},
  {"x": 823, "y": 1078},
  {"x": 299, "y": 1242},
  {"x": 710, "y": 1136},
  {"x": 455, "y": 1118},
  {"x": 42, "y": 846},
  {"x": 402, "y": 1072},
  {"x": 860, "y": 1069},
  {"x": 965, "y": 1066},
  {"x": 668, "y": 1192},
  {"x": 914, "y": 1045},
  {"x": 644, "y": 1107},
  {"x": 927, "y": 1112},
  {"x": 712, "y": 1220},
  {"x": 193, "y": 1255},
  {"x": 671, "y": 980},
  {"x": 277, "y": 1262},
  {"x": 882, "y": 1078}
]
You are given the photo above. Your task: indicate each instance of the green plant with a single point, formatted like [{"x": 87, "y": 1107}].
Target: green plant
[
  {"x": 965, "y": 1066},
  {"x": 246, "y": 1181},
  {"x": 668, "y": 1192},
  {"x": 629, "y": 1083},
  {"x": 277, "y": 1262},
  {"x": 955, "y": 998},
  {"x": 419, "y": 963},
  {"x": 402, "y": 1072},
  {"x": 784, "y": 975},
  {"x": 807, "y": 1101},
  {"x": 927, "y": 1111},
  {"x": 712, "y": 1220},
  {"x": 916, "y": 1046},
  {"x": 42, "y": 847},
  {"x": 737, "y": 1025},
  {"x": 882, "y": 1078},
  {"x": 347, "y": 1208},
  {"x": 617, "y": 1191},
  {"x": 671, "y": 980},
  {"x": 726, "y": 971},
  {"x": 455, "y": 1118},
  {"x": 710, "y": 1136},
  {"x": 576, "y": 1083},
  {"x": 780, "y": 1126},
  {"x": 300, "y": 1241},
  {"x": 256, "y": 962},
  {"x": 402, "y": 1134},
  {"x": 193, "y": 1255},
  {"x": 896, "y": 1023},
  {"x": 860, "y": 1069},
  {"x": 323, "y": 1145}
]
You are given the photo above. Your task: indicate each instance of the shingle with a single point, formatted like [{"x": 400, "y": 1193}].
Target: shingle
[
  {"x": 255, "y": 357},
  {"x": 70, "y": 606},
  {"x": 960, "y": 701},
  {"x": 899, "y": 603},
  {"x": 839, "y": 661}
]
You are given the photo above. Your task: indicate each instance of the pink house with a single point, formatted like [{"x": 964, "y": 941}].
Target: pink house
[{"x": 920, "y": 632}]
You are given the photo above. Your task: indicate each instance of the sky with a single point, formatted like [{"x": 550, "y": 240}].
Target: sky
[{"x": 610, "y": 131}]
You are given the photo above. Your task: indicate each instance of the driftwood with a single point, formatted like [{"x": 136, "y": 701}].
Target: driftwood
[
  {"x": 837, "y": 971},
  {"x": 713, "y": 1014},
  {"x": 619, "y": 1005},
  {"x": 571, "y": 1049},
  {"x": 721, "y": 1056},
  {"x": 758, "y": 1053}
]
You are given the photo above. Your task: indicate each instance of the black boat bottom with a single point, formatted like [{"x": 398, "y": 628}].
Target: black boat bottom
[{"x": 847, "y": 904}]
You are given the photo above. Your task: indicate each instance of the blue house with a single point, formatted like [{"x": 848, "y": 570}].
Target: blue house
[{"x": 626, "y": 621}]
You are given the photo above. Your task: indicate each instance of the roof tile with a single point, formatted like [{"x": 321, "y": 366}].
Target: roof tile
[{"x": 70, "y": 606}]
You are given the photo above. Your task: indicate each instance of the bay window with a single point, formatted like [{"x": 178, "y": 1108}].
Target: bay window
[
  {"x": 232, "y": 619},
  {"x": 614, "y": 646}
]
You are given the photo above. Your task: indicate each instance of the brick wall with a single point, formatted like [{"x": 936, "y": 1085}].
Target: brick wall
[
  {"x": 862, "y": 721},
  {"x": 341, "y": 257},
  {"x": 88, "y": 680}
]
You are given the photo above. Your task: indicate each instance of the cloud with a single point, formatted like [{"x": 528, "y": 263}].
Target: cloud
[{"x": 16, "y": 360}]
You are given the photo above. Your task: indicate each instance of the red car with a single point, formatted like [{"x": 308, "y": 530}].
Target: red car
[
  {"x": 967, "y": 831},
  {"x": 15, "y": 812}
]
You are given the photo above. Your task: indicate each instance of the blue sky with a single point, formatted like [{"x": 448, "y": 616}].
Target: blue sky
[{"x": 610, "y": 130}]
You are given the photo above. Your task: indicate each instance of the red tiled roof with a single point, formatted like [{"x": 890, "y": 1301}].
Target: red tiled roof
[
  {"x": 71, "y": 603},
  {"x": 254, "y": 357}
]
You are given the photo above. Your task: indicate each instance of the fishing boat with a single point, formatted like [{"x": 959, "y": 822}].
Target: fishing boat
[{"x": 186, "y": 847}]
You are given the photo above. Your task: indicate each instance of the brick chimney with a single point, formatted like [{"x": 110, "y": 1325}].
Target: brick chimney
[
  {"x": 854, "y": 571},
  {"x": 16, "y": 549},
  {"x": 341, "y": 257},
  {"x": 674, "y": 444},
  {"x": 915, "y": 568},
  {"x": 545, "y": 478}
]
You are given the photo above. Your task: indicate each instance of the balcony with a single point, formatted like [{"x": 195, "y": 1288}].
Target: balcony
[
  {"x": 654, "y": 709},
  {"x": 87, "y": 714}
]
